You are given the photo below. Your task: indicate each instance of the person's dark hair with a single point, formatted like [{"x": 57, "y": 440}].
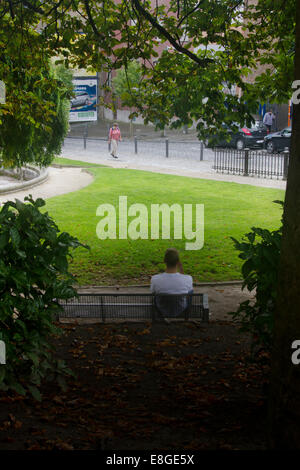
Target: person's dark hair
[{"x": 171, "y": 257}]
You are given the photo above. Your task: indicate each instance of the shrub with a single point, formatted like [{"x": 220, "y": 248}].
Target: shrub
[
  {"x": 33, "y": 275},
  {"x": 261, "y": 252}
]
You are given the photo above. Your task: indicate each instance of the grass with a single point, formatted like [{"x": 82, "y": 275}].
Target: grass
[
  {"x": 230, "y": 210},
  {"x": 69, "y": 162}
]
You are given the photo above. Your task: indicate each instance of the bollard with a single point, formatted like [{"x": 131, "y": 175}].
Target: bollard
[
  {"x": 85, "y": 134},
  {"x": 201, "y": 150},
  {"x": 246, "y": 166},
  {"x": 286, "y": 154},
  {"x": 135, "y": 145},
  {"x": 167, "y": 148}
]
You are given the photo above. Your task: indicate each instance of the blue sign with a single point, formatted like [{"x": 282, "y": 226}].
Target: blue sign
[{"x": 84, "y": 101}]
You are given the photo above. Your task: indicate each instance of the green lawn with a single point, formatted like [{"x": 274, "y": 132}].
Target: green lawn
[
  {"x": 69, "y": 162},
  {"x": 230, "y": 210}
]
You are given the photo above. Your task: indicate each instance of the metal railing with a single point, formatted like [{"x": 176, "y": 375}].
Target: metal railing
[{"x": 248, "y": 162}]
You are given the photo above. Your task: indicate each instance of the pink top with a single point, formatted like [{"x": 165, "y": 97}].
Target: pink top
[{"x": 114, "y": 133}]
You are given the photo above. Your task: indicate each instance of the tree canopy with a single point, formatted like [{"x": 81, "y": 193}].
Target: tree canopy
[
  {"x": 34, "y": 119},
  {"x": 190, "y": 52},
  {"x": 128, "y": 80}
]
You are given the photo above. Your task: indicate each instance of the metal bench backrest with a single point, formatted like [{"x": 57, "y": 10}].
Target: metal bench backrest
[{"x": 137, "y": 306}]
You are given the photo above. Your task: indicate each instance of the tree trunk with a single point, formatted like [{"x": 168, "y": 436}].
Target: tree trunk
[{"x": 284, "y": 403}]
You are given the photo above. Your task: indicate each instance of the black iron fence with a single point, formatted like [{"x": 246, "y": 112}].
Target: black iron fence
[{"x": 251, "y": 163}]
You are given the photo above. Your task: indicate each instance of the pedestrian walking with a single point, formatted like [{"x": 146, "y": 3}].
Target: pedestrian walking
[
  {"x": 268, "y": 120},
  {"x": 114, "y": 138}
]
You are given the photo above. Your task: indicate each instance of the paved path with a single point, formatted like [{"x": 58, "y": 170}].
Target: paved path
[
  {"x": 60, "y": 181},
  {"x": 183, "y": 160}
]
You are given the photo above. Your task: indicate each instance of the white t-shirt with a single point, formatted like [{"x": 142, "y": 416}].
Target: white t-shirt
[{"x": 171, "y": 283}]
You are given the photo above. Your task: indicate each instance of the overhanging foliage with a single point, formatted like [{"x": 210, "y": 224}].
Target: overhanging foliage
[{"x": 209, "y": 46}]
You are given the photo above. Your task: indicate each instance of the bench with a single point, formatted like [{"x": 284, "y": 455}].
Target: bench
[{"x": 136, "y": 306}]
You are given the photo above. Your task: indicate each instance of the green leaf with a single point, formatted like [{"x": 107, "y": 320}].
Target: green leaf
[
  {"x": 17, "y": 387},
  {"x": 2, "y": 372},
  {"x": 35, "y": 392},
  {"x": 34, "y": 357},
  {"x": 15, "y": 237},
  {"x": 4, "y": 238}
]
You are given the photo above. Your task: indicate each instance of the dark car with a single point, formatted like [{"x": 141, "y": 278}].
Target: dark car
[
  {"x": 246, "y": 137},
  {"x": 278, "y": 141}
]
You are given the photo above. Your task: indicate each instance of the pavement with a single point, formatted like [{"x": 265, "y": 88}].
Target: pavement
[
  {"x": 183, "y": 159},
  {"x": 59, "y": 181},
  {"x": 183, "y": 152}
]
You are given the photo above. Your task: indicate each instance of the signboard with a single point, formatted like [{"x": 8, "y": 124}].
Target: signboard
[
  {"x": 83, "y": 104},
  {"x": 2, "y": 92}
]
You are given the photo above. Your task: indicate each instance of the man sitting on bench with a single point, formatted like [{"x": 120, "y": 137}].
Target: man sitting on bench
[{"x": 171, "y": 282}]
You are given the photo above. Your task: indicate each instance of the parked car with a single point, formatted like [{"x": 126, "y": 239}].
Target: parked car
[
  {"x": 278, "y": 141},
  {"x": 81, "y": 98},
  {"x": 251, "y": 137}
]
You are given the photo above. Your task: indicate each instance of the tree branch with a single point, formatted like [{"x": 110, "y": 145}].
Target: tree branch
[
  {"x": 11, "y": 10},
  {"x": 190, "y": 12},
  {"x": 168, "y": 36},
  {"x": 32, "y": 7},
  {"x": 91, "y": 20}
]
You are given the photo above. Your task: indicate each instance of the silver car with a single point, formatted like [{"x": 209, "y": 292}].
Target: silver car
[{"x": 81, "y": 98}]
